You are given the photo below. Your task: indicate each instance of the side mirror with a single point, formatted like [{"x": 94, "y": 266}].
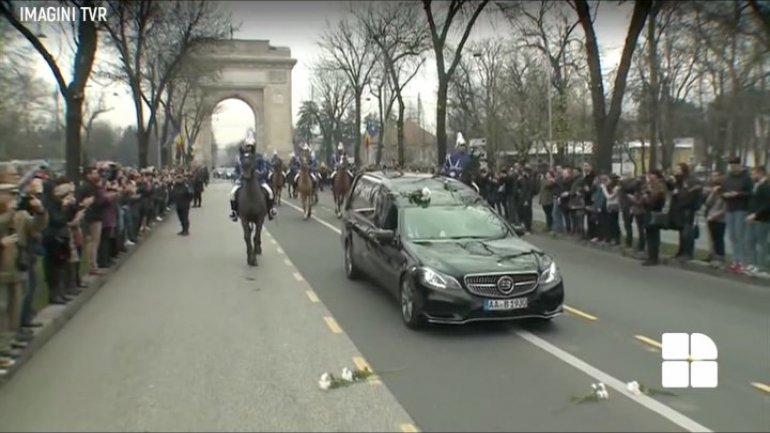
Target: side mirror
[
  {"x": 519, "y": 229},
  {"x": 383, "y": 236}
]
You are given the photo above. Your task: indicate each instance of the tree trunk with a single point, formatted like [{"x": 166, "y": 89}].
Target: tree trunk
[
  {"x": 357, "y": 147},
  {"x": 74, "y": 116},
  {"x": 652, "y": 59},
  {"x": 606, "y": 122},
  {"x": 441, "y": 138},
  {"x": 400, "y": 127}
]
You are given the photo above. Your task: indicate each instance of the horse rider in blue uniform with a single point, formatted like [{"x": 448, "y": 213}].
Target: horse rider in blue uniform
[
  {"x": 262, "y": 169},
  {"x": 309, "y": 158},
  {"x": 456, "y": 162},
  {"x": 339, "y": 159}
]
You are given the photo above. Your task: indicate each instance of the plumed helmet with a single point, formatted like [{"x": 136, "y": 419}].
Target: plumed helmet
[
  {"x": 292, "y": 155},
  {"x": 305, "y": 147},
  {"x": 340, "y": 147},
  {"x": 275, "y": 152}
]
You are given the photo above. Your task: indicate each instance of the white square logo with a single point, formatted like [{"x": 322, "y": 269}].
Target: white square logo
[{"x": 689, "y": 361}]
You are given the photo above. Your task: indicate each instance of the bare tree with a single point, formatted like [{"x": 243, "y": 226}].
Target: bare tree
[
  {"x": 606, "y": 121},
  {"x": 382, "y": 89},
  {"x": 348, "y": 48},
  {"x": 335, "y": 96},
  {"x": 152, "y": 39},
  {"x": 92, "y": 113},
  {"x": 72, "y": 92},
  {"x": 402, "y": 41},
  {"x": 439, "y": 31},
  {"x": 550, "y": 30}
]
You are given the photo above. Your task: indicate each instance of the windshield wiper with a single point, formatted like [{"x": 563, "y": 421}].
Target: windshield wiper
[{"x": 464, "y": 237}]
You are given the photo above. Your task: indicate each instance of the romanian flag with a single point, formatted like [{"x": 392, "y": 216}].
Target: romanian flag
[
  {"x": 367, "y": 140},
  {"x": 371, "y": 131},
  {"x": 179, "y": 141}
]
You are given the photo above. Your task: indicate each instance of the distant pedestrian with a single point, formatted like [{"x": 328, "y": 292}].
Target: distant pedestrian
[
  {"x": 737, "y": 187},
  {"x": 183, "y": 195}
]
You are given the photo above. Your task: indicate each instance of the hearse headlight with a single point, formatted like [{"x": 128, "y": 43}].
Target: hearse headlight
[
  {"x": 436, "y": 280},
  {"x": 550, "y": 274}
]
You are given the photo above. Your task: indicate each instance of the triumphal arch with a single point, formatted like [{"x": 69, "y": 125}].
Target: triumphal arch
[{"x": 258, "y": 74}]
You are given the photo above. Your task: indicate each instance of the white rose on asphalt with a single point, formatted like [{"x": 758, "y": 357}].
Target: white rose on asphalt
[
  {"x": 633, "y": 387},
  {"x": 602, "y": 393},
  {"x": 325, "y": 382},
  {"x": 425, "y": 193},
  {"x": 347, "y": 375}
]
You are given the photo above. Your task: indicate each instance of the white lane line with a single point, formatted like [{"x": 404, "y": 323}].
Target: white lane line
[
  {"x": 288, "y": 262},
  {"x": 324, "y": 223},
  {"x": 298, "y": 276},
  {"x": 280, "y": 250},
  {"x": 661, "y": 409}
]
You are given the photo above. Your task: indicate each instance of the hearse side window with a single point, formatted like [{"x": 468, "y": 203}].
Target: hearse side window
[{"x": 362, "y": 198}]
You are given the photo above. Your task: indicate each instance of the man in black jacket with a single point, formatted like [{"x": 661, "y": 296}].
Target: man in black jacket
[
  {"x": 758, "y": 222},
  {"x": 183, "y": 194},
  {"x": 736, "y": 191}
]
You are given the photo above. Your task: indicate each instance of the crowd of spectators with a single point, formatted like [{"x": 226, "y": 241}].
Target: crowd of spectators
[{"x": 54, "y": 232}]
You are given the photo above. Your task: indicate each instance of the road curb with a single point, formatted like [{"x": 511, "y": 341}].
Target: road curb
[
  {"x": 61, "y": 317},
  {"x": 696, "y": 266}
]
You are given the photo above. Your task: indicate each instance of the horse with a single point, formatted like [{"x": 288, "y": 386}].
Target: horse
[
  {"x": 306, "y": 190},
  {"x": 277, "y": 181},
  {"x": 341, "y": 187},
  {"x": 252, "y": 209},
  {"x": 291, "y": 185}
]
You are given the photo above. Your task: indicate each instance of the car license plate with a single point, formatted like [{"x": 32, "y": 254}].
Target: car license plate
[{"x": 505, "y": 304}]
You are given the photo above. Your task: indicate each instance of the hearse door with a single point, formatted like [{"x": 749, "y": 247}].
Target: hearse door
[{"x": 388, "y": 256}]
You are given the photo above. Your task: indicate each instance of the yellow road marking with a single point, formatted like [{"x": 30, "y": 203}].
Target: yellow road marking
[
  {"x": 297, "y": 276},
  {"x": 409, "y": 428},
  {"x": 332, "y": 324},
  {"x": 313, "y": 297},
  {"x": 649, "y": 341},
  {"x": 280, "y": 250},
  {"x": 761, "y": 386},
  {"x": 361, "y": 364},
  {"x": 577, "y": 312}
]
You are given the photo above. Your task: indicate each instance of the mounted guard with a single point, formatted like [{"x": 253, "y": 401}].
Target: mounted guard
[
  {"x": 340, "y": 160},
  {"x": 309, "y": 158},
  {"x": 458, "y": 160},
  {"x": 263, "y": 169}
]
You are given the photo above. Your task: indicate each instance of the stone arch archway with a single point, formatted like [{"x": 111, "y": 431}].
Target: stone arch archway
[{"x": 256, "y": 73}]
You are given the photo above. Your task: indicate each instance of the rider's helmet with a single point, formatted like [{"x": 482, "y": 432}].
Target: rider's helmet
[
  {"x": 305, "y": 149},
  {"x": 250, "y": 145},
  {"x": 340, "y": 148}
]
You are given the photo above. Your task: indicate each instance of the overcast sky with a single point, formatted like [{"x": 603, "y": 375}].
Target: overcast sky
[{"x": 298, "y": 25}]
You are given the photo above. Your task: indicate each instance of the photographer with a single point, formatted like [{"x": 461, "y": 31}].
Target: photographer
[
  {"x": 16, "y": 228},
  {"x": 63, "y": 213},
  {"x": 685, "y": 201},
  {"x": 93, "y": 197},
  {"x": 654, "y": 201}
]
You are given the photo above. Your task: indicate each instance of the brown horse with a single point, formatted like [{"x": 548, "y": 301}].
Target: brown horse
[
  {"x": 278, "y": 180},
  {"x": 305, "y": 189},
  {"x": 341, "y": 187}
]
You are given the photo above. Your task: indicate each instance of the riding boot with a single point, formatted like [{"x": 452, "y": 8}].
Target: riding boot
[
  {"x": 271, "y": 212},
  {"x": 233, "y": 210}
]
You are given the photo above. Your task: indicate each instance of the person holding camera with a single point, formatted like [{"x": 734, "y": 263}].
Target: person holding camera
[
  {"x": 93, "y": 197},
  {"x": 63, "y": 213},
  {"x": 16, "y": 228},
  {"x": 654, "y": 201}
]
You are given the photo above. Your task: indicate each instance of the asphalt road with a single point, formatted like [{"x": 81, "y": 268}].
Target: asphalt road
[
  {"x": 667, "y": 236},
  {"x": 521, "y": 376},
  {"x": 186, "y": 337}
]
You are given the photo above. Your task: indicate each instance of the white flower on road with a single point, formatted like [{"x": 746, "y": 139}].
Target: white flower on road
[
  {"x": 600, "y": 391},
  {"x": 347, "y": 374},
  {"x": 633, "y": 388},
  {"x": 326, "y": 381},
  {"x": 425, "y": 194}
]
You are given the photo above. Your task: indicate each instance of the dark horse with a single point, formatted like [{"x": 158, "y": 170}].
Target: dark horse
[
  {"x": 341, "y": 187},
  {"x": 252, "y": 209},
  {"x": 278, "y": 180}
]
